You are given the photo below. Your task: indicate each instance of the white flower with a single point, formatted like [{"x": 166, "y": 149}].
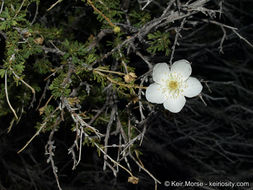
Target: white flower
[{"x": 172, "y": 84}]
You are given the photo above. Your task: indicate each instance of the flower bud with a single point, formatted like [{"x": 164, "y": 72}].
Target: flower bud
[
  {"x": 130, "y": 77},
  {"x": 116, "y": 29},
  {"x": 38, "y": 40}
]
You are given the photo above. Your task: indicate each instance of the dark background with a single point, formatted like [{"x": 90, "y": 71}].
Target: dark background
[{"x": 207, "y": 143}]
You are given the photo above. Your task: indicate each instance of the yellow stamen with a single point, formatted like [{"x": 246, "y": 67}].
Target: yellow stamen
[{"x": 173, "y": 85}]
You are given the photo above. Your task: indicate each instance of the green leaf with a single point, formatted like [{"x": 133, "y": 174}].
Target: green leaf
[
  {"x": 159, "y": 42},
  {"x": 2, "y": 73}
]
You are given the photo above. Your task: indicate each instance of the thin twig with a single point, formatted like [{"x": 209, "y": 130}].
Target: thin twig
[
  {"x": 43, "y": 125},
  {"x": 108, "y": 129},
  {"x": 242, "y": 38},
  {"x": 49, "y": 150},
  {"x": 31, "y": 88},
  {"x": 99, "y": 12},
  {"x": 130, "y": 173},
  {"x": 53, "y": 5},
  {"x": 176, "y": 40},
  {"x": 144, "y": 169},
  {"x": 7, "y": 97},
  {"x": 19, "y": 8},
  {"x": 36, "y": 14},
  {"x": 2, "y": 6}
]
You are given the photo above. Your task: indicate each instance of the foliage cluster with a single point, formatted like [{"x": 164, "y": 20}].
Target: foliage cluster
[{"x": 70, "y": 64}]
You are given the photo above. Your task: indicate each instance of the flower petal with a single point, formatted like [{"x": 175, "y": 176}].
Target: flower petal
[
  {"x": 182, "y": 67},
  {"x": 194, "y": 87},
  {"x": 154, "y": 94},
  {"x": 175, "y": 105},
  {"x": 161, "y": 72}
]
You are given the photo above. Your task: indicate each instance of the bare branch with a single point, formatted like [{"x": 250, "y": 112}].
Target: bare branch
[{"x": 7, "y": 96}]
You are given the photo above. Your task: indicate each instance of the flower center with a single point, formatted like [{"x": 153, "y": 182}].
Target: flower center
[{"x": 173, "y": 85}]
